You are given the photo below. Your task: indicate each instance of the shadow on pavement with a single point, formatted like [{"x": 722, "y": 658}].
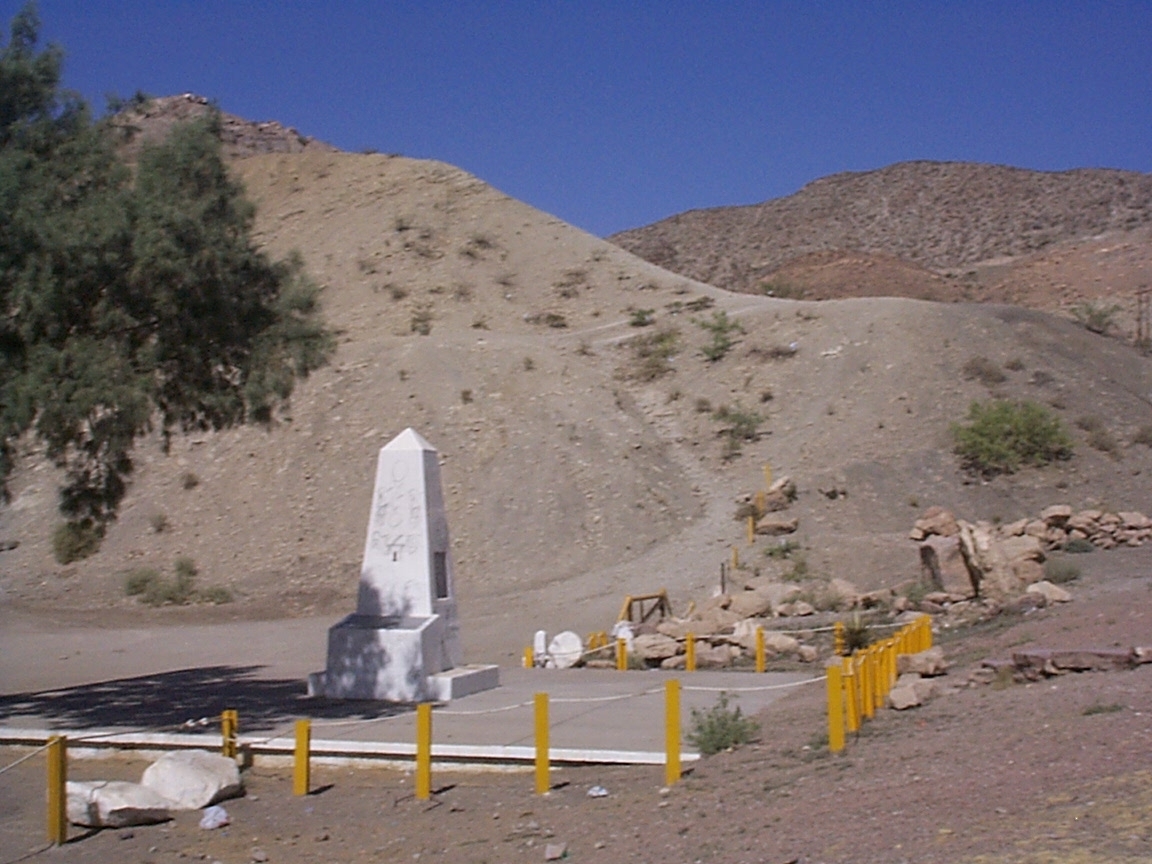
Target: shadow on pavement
[{"x": 185, "y": 700}]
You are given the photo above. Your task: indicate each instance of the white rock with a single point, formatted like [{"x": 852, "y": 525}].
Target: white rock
[
  {"x": 191, "y": 779},
  {"x": 114, "y": 804},
  {"x": 1051, "y": 593},
  {"x": 928, "y": 662}
]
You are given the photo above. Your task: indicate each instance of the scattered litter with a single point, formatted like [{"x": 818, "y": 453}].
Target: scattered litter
[
  {"x": 597, "y": 792},
  {"x": 195, "y": 724},
  {"x": 214, "y": 817}
]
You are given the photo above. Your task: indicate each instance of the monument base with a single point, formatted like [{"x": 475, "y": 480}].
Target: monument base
[{"x": 395, "y": 660}]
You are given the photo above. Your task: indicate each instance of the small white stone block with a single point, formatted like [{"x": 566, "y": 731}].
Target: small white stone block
[{"x": 114, "y": 804}]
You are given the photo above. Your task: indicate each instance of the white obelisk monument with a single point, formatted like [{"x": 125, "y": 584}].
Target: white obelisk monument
[{"x": 402, "y": 644}]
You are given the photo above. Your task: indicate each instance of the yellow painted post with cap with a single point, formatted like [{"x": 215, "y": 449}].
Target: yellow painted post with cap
[
  {"x": 761, "y": 651},
  {"x": 529, "y": 657},
  {"x": 302, "y": 758},
  {"x": 543, "y": 782},
  {"x": 851, "y": 695},
  {"x": 838, "y": 638},
  {"x": 867, "y": 706},
  {"x": 735, "y": 558},
  {"x": 835, "y": 709},
  {"x": 423, "y": 751},
  {"x": 767, "y": 476},
  {"x": 229, "y": 727},
  {"x": 690, "y": 652},
  {"x": 751, "y": 530},
  {"x": 57, "y": 795},
  {"x": 621, "y": 654},
  {"x": 671, "y": 732}
]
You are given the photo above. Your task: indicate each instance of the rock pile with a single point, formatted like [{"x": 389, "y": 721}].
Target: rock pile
[
  {"x": 916, "y": 684},
  {"x": 1001, "y": 562}
]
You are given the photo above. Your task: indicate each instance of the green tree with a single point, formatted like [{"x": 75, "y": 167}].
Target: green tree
[{"x": 129, "y": 300}]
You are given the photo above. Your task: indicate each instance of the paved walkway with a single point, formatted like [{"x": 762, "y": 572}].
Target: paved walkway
[{"x": 161, "y": 679}]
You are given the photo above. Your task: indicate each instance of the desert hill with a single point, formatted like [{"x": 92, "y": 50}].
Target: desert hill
[
  {"x": 574, "y": 473},
  {"x": 941, "y": 231}
]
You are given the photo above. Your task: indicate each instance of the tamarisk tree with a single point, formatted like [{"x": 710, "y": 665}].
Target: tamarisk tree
[{"x": 129, "y": 299}]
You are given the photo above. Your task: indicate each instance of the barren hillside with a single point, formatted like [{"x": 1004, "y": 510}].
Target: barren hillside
[
  {"x": 573, "y": 474},
  {"x": 921, "y": 229}
]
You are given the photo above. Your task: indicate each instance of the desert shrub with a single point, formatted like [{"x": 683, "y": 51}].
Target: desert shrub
[
  {"x": 781, "y": 549},
  {"x": 72, "y": 541},
  {"x": 742, "y": 426},
  {"x": 554, "y": 320},
  {"x": 466, "y": 397},
  {"x": 983, "y": 370},
  {"x": 653, "y": 353},
  {"x": 799, "y": 571},
  {"x": 421, "y": 320},
  {"x": 159, "y": 523},
  {"x": 1041, "y": 378},
  {"x": 1016, "y": 364},
  {"x": 1061, "y": 570},
  {"x": 703, "y": 405},
  {"x": 479, "y": 323},
  {"x": 568, "y": 285},
  {"x": 699, "y": 304},
  {"x": 766, "y": 395},
  {"x": 857, "y": 634},
  {"x": 529, "y": 364},
  {"x": 1096, "y": 317},
  {"x": 140, "y": 581},
  {"x": 720, "y": 329},
  {"x": 1105, "y": 442},
  {"x": 720, "y": 728},
  {"x": 1143, "y": 436},
  {"x": 641, "y": 317},
  {"x": 1000, "y": 436},
  {"x": 1078, "y": 545},
  {"x": 1102, "y": 708},
  {"x": 217, "y": 595},
  {"x": 189, "y": 480},
  {"x": 783, "y": 290},
  {"x": 1089, "y": 423},
  {"x": 396, "y": 292}
]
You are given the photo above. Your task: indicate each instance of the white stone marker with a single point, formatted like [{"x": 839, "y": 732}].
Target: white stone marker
[{"x": 402, "y": 644}]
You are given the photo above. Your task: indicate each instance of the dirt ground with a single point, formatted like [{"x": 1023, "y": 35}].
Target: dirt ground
[{"x": 1053, "y": 771}]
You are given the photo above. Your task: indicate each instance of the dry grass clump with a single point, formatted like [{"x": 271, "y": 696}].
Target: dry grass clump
[{"x": 985, "y": 371}]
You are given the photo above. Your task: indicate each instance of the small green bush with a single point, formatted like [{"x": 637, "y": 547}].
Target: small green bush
[
  {"x": 217, "y": 595},
  {"x": 781, "y": 550},
  {"x": 721, "y": 328},
  {"x": 73, "y": 541},
  {"x": 1105, "y": 442},
  {"x": 189, "y": 481},
  {"x": 1101, "y": 708},
  {"x": 641, "y": 317},
  {"x": 799, "y": 571},
  {"x": 159, "y": 523},
  {"x": 857, "y": 634},
  {"x": 720, "y": 728},
  {"x": 1001, "y": 436},
  {"x": 421, "y": 321},
  {"x": 1060, "y": 571}
]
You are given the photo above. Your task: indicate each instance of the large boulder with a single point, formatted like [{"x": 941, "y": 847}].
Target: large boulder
[
  {"x": 926, "y": 663},
  {"x": 1051, "y": 593},
  {"x": 845, "y": 592},
  {"x": 750, "y": 604},
  {"x": 774, "y": 525},
  {"x": 114, "y": 804},
  {"x": 1056, "y": 516},
  {"x": 655, "y": 646},
  {"x": 936, "y": 521},
  {"x": 943, "y": 566},
  {"x": 191, "y": 779}
]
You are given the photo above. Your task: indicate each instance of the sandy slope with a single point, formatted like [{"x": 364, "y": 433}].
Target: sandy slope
[{"x": 570, "y": 484}]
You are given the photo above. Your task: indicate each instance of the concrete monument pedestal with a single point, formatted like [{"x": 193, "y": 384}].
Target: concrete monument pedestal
[{"x": 402, "y": 644}]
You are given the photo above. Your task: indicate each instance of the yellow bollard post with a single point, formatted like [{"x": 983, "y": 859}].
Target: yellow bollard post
[
  {"x": 851, "y": 695},
  {"x": 927, "y": 619},
  {"x": 423, "y": 751},
  {"x": 735, "y": 558},
  {"x": 767, "y": 476},
  {"x": 621, "y": 654},
  {"x": 751, "y": 530},
  {"x": 878, "y": 690},
  {"x": 838, "y": 638},
  {"x": 543, "y": 783},
  {"x": 761, "y": 652},
  {"x": 302, "y": 758},
  {"x": 690, "y": 652},
  {"x": 529, "y": 657},
  {"x": 671, "y": 732},
  {"x": 867, "y": 706},
  {"x": 229, "y": 727},
  {"x": 57, "y": 796},
  {"x": 760, "y": 502},
  {"x": 835, "y": 709}
]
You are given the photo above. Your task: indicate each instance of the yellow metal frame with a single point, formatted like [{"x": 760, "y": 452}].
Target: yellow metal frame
[{"x": 633, "y": 608}]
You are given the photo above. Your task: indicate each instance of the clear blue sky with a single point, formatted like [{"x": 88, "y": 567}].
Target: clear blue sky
[{"x": 615, "y": 114}]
